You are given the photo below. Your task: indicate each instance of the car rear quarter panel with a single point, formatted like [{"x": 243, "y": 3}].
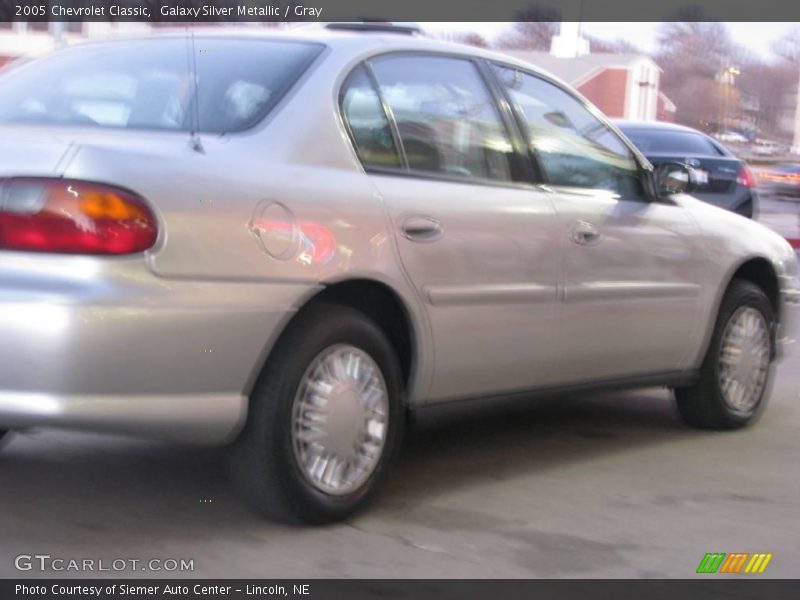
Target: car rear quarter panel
[{"x": 286, "y": 202}]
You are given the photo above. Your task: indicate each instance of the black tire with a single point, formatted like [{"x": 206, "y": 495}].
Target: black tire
[
  {"x": 745, "y": 209},
  {"x": 264, "y": 464},
  {"x": 703, "y": 404}
]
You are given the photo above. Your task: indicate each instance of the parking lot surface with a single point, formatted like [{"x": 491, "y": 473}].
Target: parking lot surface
[{"x": 610, "y": 485}]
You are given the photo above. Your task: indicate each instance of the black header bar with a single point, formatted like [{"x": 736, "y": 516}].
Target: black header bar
[{"x": 199, "y": 11}]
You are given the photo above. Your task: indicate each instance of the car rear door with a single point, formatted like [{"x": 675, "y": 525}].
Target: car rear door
[
  {"x": 478, "y": 244},
  {"x": 632, "y": 267}
]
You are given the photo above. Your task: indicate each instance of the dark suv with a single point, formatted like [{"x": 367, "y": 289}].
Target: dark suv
[{"x": 723, "y": 179}]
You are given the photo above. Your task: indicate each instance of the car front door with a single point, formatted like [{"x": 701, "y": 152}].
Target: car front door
[
  {"x": 632, "y": 266},
  {"x": 479, "y": 246}
]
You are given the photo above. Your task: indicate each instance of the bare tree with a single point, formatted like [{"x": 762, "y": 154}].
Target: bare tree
[
  {"x": 771, "y": 85},
  {"x": 699, "y": 47},
  {"x": 534, "y": 30},
  {"x": 618, "y": 46},
  {"x": 774, "y": 84},
  {"x": 470, "y": 38},
  {"x": 788, "y": 46},
  {"x": 695, "y": 55}
]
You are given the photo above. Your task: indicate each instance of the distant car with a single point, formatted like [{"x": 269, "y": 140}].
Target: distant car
[
  {"x": 783, "y": 181},
  {"x": 731, "y": 137},
  {"x": 723, "y": 179},
  {"x": 766, "y": 148}
]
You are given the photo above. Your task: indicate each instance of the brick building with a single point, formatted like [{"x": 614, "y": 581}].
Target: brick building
[{"x": 624, "y": 86}]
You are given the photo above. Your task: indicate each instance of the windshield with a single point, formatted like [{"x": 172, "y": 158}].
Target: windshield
[{"x": 147, "y": 84}]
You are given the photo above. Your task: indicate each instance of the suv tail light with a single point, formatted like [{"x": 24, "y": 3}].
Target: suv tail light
[
  {"x": 746, "y": 177},
  {"x": 73, "y": 217}
]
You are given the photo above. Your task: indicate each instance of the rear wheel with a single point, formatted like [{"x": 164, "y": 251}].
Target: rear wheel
[
  {"x": 325, "y": 419},
  {"x": 735, "y": 375}
]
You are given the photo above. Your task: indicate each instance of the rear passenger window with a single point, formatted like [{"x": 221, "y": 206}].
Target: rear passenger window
[
  {"x": 367, "y": 122},
  {"x": 446, "y": 118}
]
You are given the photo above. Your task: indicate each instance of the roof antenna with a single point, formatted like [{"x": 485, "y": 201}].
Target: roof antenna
[{"x": 194, "y": 131}]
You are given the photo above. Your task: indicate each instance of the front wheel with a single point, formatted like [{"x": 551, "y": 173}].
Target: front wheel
[
  {"x": 736, "y": 372},
  {"x": 325, "y": 418}
]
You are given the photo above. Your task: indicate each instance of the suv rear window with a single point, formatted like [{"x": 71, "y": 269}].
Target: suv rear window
[
  {"x": 147, "y": 84},
  {"x": 669, "y": 142}
]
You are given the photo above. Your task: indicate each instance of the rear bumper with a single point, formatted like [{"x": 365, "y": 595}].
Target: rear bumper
[
  {"x": 733, "y": 200},
  {"x": 105, "y": 345},
  {"x": 193, "y": 418}
]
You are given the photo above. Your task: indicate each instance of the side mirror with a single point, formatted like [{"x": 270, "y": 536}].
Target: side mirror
[{"x": 674, "y": 178}]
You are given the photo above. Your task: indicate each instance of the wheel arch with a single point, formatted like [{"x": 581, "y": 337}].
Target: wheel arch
[
  {"x": 757, "y": 270},
  {"x": 383, "y": 305},
  {"x": 760, "y": 272},
  {"x": 378, "y": 301}
]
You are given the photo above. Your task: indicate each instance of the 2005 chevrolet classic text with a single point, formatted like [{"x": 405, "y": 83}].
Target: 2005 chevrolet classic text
[{"x": 287, "y": 242}]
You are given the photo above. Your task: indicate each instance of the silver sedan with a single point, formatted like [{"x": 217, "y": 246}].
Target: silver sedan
[{"x": 287, "y": 242}]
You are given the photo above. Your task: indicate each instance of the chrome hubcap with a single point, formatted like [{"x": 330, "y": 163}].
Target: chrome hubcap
[
  {"x": 339, "y": 419},
  {"x": 744, "y": 359}
]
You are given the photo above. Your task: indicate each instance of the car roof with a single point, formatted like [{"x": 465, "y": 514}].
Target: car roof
[
  {"x": 629, "y": 127},
  {"x": 356, "y": 42},
  {"x": 652, "y": 126}
]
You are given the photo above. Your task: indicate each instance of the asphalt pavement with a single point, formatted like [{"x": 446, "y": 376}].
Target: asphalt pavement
[
  {"x": 610, "y": 485},
  {"x": 781, "y": 215}
]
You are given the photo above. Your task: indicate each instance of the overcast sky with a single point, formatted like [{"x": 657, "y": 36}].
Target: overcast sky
[{"x": 757, "y": 37}]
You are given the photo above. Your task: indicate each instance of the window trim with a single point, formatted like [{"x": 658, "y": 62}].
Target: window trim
[
  {"x": 388, "y": 114},
  {"x": 530, "y": 170},
  {"x": 346, "y": 122},
  {"x": 525, "y": 179},
  {"x": 644, "y": 167}
]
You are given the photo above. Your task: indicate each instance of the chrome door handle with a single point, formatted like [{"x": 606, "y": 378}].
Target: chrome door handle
[
  {"x": 422, "y": 229},
  {"x": 585, "y": 234}
]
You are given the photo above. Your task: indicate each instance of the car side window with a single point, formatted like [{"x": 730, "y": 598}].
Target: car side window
[
  {"x": 369, "y": 127},
  {"x": 446, "y": 118},
  {"x": 573, "y": 147}
]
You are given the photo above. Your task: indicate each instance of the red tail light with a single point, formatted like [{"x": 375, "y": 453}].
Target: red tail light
[
  {"x": 73, "y": 217},
  {"x": 746, "y": 177}
]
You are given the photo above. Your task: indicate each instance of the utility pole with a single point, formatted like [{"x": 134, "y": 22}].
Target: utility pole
[
  {"x": 57, "y": 33},
  {"x": 796, "y": 143}
]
